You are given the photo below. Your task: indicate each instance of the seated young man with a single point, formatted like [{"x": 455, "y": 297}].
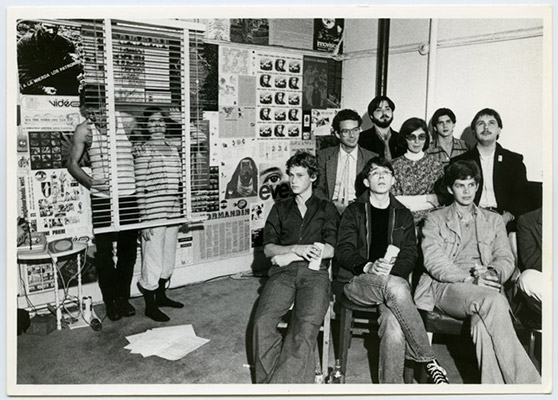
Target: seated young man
[
  {"x": 467, "y": 258},
  {"x": 292, "y": 229},
  {"x": 368, "y": 226}
]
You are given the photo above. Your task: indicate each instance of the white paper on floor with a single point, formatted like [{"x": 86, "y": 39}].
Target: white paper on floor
[{"x": 171, "y": 343}]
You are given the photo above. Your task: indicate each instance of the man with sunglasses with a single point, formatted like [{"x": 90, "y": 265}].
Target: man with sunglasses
[
  {"x": 340, "y": 180},
  {"x": 372, "y": 273}
]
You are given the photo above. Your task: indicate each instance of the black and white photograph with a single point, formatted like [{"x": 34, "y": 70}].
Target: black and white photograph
[{"x": 173, "y": 229}]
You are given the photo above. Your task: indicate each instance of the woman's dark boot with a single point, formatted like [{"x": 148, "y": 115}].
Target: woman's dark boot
[
  {"x": 151, "y": 309},
  {"x": 161, "y": 298}
]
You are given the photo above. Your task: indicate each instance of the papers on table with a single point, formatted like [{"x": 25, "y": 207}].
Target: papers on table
[{"x": 171, "y": 343}]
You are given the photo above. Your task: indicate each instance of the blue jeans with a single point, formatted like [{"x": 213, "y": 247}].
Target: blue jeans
[
  {"x": 293, "y": 360},
  {"x": 400, "y": 323},
  {"x": 500, "y": 355}
]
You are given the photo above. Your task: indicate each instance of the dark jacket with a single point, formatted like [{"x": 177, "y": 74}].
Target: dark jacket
[
  {"x": 510, "y": 179},
  {"x": 327, "y": 165},
  {"x": 370, "y": 141},
  {"x": 529, "y": 240},
  {"x": 351, "y": 252}
]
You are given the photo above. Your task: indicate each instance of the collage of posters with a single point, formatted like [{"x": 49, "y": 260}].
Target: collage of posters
[{"x": 50, "y": 198}]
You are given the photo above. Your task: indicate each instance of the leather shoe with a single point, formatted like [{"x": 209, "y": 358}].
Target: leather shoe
[
  {"x": 113, "y": 311},
  {"x": 126, "y": 309}
]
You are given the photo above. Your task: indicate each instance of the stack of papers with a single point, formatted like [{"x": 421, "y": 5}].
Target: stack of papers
[{"x": 171, "y": 343}]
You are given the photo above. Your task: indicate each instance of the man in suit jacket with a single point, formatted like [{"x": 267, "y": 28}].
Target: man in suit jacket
[
  {"x": 503, "y": 174},
  {"x": 340, "y": 166},
  {"x": 381, "y": 138}
]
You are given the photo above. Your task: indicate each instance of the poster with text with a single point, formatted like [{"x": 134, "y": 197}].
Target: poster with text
[
  {"x": 54, "y": 203},
  {"x": 226, "y": 234},
  {"x": 49, "y": 58},
  {"x": 328, "y": 34},
  {"x": 238, "y": 178}
]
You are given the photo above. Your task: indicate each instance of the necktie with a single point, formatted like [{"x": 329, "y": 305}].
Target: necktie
[
  {"x": 387, "y": 151},
  {"x": 343, "y": 198}
]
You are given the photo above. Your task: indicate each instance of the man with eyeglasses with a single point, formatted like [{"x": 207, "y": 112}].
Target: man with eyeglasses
[
  {"x": 372, "y": 272},
  {"x": 503, "y": 181},
  {"x": 340, "y": 166},
  {"x": 381, "y": 139}
]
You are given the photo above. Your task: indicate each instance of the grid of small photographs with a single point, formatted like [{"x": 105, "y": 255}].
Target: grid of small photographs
[
  {"x": 44, "y": 148},
  {"x": 279, "y": 91}
]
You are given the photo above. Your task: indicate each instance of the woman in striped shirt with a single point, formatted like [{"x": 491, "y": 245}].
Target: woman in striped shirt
[{"x": 158, "y": 173}]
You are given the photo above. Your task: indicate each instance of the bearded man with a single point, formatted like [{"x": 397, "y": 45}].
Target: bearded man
[{"x": 381, "y": 139}]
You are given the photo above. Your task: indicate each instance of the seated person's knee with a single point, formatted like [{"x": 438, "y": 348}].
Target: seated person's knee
[
  {"x": 528, "y": 281},
  {"x": 398, "y": 287}
]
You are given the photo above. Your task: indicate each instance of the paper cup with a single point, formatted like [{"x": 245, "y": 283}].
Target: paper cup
[{"x": 315, "y": 264}]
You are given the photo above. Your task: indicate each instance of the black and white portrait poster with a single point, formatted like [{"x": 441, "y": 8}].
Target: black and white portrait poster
[
  {"x": 279, "y": 95},
  {"x": 48, "y": 58}
]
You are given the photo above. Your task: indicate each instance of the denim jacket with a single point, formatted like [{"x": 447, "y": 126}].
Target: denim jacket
[{"x": 442, "y": 239}]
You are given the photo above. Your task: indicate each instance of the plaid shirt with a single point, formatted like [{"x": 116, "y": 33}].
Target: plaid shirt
[{"x": 459, "y": 147}]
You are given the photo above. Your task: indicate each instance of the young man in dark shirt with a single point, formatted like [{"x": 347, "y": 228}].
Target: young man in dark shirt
[
  {"x": 294, "y": 233},
  {"x": 367, "y": 228}
]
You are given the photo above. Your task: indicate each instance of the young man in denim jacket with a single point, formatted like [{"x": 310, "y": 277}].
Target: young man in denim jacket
[{"x": 467, "y": 258}]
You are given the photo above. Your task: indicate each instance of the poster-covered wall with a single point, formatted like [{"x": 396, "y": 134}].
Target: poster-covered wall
[
  {"x": 49, "y": 197},
  {"x": 260, "y": 105}
]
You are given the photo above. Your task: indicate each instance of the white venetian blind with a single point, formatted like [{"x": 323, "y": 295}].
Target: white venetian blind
[{"x": 139, "y": 76}]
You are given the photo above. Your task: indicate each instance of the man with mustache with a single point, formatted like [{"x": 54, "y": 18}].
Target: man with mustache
[
  {"x": 381, "y": 139},
  {"x": 503, "y": 175}
]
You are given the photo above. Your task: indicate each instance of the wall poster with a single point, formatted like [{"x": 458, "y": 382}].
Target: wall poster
[
  {"x": 279, "y": 95},
  {"x": 328, "y": 34}
]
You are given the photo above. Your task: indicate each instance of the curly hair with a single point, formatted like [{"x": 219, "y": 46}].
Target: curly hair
[{"x": 305, "y": 160}]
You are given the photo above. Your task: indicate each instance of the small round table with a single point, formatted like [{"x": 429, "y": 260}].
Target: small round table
[{"x": 77, "y": 249}]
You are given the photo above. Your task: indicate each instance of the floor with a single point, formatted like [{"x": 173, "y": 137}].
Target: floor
[{"x": 220, "y": 310}]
